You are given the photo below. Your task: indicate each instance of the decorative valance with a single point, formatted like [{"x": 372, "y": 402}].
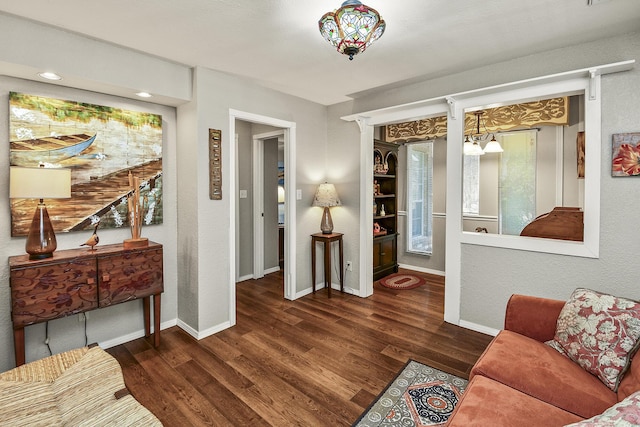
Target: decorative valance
[{"x": 547, "y": 112}]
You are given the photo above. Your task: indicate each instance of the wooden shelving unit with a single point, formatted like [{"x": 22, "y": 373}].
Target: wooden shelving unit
[{"x": 385, "y": 242}]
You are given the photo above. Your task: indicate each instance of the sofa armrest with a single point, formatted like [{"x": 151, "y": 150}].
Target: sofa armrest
[{"x": 533, "y": 317}]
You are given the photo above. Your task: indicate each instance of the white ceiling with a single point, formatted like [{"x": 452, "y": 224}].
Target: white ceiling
[{"x": 277, "y": 42}]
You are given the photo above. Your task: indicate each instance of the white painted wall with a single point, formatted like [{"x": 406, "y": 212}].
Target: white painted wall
[
  {"x": 95, "y": 69},
  {"x": 343, "y": 170},
  {"x": 208, "y": 236},
  {"x": 490, "y": 275},
  {"x": 245, "y": 205},
  {"x": 197, "y": 259},
  {"x": 90, "y": 64},
  {"x": 108, "y": 326}
]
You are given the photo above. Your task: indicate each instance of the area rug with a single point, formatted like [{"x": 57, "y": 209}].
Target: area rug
[
  {"x": 402, "y": 281},
  {"x": 419, "y": 396}
]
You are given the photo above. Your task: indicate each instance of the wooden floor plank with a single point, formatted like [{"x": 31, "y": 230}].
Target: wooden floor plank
[{"x": 313, "y": 361}]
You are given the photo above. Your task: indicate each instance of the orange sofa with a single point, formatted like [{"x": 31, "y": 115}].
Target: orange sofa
[{"x": 520, "y": 381}]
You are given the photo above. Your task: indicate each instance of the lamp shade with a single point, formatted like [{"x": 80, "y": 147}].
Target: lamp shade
[
  {"x": 326, "y": 196},
  {"x": 493, "y": 146},
  {"x": 39, "y": 183}
]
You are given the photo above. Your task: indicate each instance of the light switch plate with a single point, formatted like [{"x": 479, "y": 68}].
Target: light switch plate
[
  {"x": 243, "y": 194},
  {"x": 298, "y": 194}
]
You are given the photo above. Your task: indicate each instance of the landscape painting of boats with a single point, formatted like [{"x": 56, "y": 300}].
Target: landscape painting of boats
[
  {"x": 49, "y": 149},
  {"x": 101, "y": 145}
]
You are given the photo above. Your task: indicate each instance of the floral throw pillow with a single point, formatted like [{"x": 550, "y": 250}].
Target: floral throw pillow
[
  {"x": 599, "y": 332},
  {"x": 625, "y": 413}
]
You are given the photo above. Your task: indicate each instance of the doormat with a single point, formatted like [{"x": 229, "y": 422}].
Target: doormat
[
  {"x": 419, "y": 396},
  {"x": 402, "y": 281}
]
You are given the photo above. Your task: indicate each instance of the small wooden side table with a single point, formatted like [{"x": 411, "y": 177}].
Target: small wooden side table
[{"x": 327, "y": 239}]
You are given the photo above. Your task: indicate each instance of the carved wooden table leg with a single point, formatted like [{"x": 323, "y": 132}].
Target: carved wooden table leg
[
  {"x": 18, "y": 343},
  {"x": 156, "y": 320},
  {"x": 146, "y": 306}
]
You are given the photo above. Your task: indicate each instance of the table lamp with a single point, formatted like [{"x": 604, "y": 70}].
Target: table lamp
[
  {"x": 40, "y": 183},
  {"x": 326, "y": 196}
]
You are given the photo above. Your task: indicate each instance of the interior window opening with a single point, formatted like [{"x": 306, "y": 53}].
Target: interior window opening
[{"x": 523, "y": 169}]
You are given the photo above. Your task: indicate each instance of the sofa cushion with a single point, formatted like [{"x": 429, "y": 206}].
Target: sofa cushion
[
  {"x": 599, "y": 332},
  {"x": 541, "y": 372},
  {"x": 624, "y": 413},
  {"x": 631, "y": 381},
  {"x": 489, "y": 403}
]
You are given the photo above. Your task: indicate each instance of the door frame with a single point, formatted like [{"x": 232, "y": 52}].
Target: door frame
[
  {"x": 290, "y": 207},
  {"x": 257, "y": 172}
]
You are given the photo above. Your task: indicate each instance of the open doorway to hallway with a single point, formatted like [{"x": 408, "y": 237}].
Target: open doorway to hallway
[
  {"x": 261, "y": 200},
  {"x": 288, "y": 128},
  {"x": 260, "y": 216},
  {"x": 258, "y": 131}
]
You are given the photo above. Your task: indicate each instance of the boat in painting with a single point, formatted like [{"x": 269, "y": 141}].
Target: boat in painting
[{"x": 52, "y": 149}]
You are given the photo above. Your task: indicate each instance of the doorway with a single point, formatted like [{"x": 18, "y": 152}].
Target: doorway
[
  {"x": 288, "y": 130},
  {"x": 269, "y": 198}
]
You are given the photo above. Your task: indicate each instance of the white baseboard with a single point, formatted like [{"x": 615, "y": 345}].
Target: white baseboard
[
  {"x": 479, "y": 328},
  {"x": 243, "y": 278},
  {"x": 319, "y": 286},
  {"x": 271, "y": 270},
  {"x": 134, "y": 335},
  {"x": 250, "y": 276},
  {"x": 422, "y": 269},
  {"x": 303, "y": 293},
  {"x": 203, "y": 334}
]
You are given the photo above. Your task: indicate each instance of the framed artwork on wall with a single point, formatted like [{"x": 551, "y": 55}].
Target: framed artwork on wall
[
  {"x": 625, "y": 154},
  {"x": 101, "y": 145}
]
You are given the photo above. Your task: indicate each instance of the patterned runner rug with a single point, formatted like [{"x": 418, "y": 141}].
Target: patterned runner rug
[
  {"x": 402, "y": 281},
  {"x": 419, "y": 396}
]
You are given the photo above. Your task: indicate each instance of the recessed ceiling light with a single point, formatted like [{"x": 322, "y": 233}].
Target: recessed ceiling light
[
  {"x": 49, "y": 76},
  {"x": 144, "y": 94}
]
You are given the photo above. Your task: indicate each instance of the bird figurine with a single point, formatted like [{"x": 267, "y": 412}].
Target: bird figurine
[{"x": 94, "y": 239}]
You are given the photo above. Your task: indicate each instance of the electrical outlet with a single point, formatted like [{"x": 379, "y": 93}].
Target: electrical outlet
[{"x": 349, "y": 266}]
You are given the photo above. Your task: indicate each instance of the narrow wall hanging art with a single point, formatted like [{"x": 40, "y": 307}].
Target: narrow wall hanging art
[{"x": 215, "y": 164}]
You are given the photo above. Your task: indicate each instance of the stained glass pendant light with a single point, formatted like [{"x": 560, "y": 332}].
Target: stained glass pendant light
[{"x": 352, "y": 28}]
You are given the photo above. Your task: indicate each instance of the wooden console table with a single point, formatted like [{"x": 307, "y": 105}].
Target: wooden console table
[
  {"x": 78, "y": 280},
  {"x": 326, "y": 239}
]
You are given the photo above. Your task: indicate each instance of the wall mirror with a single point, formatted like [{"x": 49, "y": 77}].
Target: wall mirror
[
  {"x": 523, "y": 168},
  {"x": 550, "y": 136}
]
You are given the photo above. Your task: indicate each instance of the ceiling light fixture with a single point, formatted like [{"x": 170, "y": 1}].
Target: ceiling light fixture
[
  {"x": 49, "y": 75},
  {"x": 352, "y": 28},
  {"x": 144, "y": 94},
  {"x": 471, "y": 146}
]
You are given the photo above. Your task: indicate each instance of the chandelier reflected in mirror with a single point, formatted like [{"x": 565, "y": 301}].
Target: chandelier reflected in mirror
[
  {"x": 471, "y": 146},
  {"x": 352, "y": 28}
]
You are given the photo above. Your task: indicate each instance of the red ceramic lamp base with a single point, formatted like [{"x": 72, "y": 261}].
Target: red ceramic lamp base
[{"x": 41, "y": 241}]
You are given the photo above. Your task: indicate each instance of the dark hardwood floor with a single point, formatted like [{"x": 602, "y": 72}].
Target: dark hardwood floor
[{"x": 310, "y": 362}]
